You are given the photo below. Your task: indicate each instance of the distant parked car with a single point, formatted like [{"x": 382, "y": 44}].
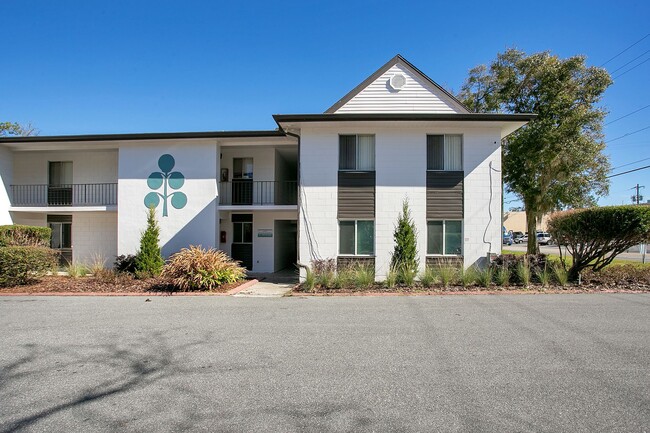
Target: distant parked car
[
  {"x": 544, "y": 238},
  {"x": 507, "y": 238},
  {"x": 517, "y": 237}
]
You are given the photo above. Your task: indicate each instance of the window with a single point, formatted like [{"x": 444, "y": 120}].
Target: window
[
  {"x": 242, "y": 225},
  {"x": 445, "y": 152},
  {"x": 445, "y": 237},
  {"x": 357, "y": 152},
  {"x": 357, "y": 238}
]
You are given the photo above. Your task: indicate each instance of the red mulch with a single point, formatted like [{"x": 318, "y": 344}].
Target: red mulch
[{"x": 117, "y": 284}]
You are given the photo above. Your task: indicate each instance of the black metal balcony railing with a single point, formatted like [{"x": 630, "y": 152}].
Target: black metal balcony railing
[
  {"x": 88, "y": 194},
  {"x": 254, "y": 192}
]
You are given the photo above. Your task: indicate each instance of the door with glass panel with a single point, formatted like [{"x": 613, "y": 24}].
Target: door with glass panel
[
  {"x": 242, "y": 239},
  {"x": 61, "y": 241},
  {"x": 242, "y": 181},
  {"x": 59, "y": 188}
]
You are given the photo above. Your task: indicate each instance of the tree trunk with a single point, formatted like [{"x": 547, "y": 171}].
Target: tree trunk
[{"x": 531, "y": 223}]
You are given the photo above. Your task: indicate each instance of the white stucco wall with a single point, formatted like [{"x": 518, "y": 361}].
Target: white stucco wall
[
  {"x": 263, "y": 248},
  {"x": 94, "y": 234},
  {"x": 88, "y": 166},
  {"x": 194, "y": 224},
  {"x": 6, "y": 179},
  {"x": 400, "y": 157}
]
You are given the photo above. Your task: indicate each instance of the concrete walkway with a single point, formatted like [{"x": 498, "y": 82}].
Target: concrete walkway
[{"x": 272, "y": 285}]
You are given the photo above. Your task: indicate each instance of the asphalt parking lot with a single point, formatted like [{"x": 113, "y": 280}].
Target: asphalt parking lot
[{"x": 480, "y": 363}]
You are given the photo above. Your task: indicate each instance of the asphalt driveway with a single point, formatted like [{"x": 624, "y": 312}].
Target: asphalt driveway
[{"x": 448, "y": 363}]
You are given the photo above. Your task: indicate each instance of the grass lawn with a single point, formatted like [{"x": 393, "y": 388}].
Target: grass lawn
[{"x": 556, "y": 257}]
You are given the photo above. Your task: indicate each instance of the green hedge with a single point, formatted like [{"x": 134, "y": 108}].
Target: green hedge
[
  {"x": 20, "y": 265},
  {"x": 595, "y": 236},
  {"x": 18, "y": 235}
]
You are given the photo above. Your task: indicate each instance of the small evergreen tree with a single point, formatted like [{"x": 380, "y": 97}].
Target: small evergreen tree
[
  {"x": 405, "y": 255},
  {"x": 149, "y": 261}
]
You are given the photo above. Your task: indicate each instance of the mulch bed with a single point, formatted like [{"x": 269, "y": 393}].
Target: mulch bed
[
  {"x": 89, "y": 284},
  {"x": 378, "y": 289}
]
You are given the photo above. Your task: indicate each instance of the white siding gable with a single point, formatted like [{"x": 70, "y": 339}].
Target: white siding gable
[{"x": 417, "y": 96}]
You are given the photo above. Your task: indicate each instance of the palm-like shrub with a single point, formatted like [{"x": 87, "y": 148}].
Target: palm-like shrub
[{"x": 195, "y": 268}]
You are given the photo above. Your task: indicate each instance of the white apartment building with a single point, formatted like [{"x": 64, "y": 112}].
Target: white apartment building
[{"x": 320, "y": 186}]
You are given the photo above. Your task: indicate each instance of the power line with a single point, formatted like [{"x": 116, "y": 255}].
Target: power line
[
  {"x": 628, "y": 134},
  {"x": 625, "y": 50},
  {"x": 632, "y": 68},
  {"x": 629, "y": 171},
  {"x": 637, "y": 57},
  {"x": 630, "y": 163},
  {"x": 629, "y": 114}
]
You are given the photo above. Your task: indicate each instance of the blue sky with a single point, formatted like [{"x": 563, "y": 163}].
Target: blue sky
[{"x": 76, "y": 67}]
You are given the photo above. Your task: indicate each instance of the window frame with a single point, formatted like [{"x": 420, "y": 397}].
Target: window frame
[
  {"x": 356, "y": 236},
  {"x": 462, "y": 151},
  {"x": 356, "y": 152},
  {"x": 444, "y": 238}
]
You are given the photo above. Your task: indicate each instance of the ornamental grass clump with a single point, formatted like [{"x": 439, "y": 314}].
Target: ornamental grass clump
[
  {"x": 447, "y": 274},
  {"x": 428, "y": 277},
  {"x": 502, "y": 276},
  {"x": 544, "y": 276},
  {"x": 523, "y": 273},
  {"x": 195, "y": 268},
  {"x": 363, "y": 276},
  {"x": 560, "y": 274},
  {"x": 468, "y": 277},
  {"x": 391, "y": 278},
  {"x": 484, "y": 277}
]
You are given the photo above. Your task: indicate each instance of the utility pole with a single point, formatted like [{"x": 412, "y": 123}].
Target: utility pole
[{"x": 637, "y": 198}]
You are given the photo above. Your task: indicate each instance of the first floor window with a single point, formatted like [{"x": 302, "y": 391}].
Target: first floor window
[
  {"x": 445, "y": 237},
  {"x": 357, "y": 238}
]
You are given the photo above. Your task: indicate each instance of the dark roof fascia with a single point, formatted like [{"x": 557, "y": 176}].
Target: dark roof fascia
[
  {"x": 394, "y": 61},
  {"x": 387, "y": 117},
  {"x": 144, "y": 136}
]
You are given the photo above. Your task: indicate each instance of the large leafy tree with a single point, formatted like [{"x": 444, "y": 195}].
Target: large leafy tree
[{"x": 557, "y": 160}]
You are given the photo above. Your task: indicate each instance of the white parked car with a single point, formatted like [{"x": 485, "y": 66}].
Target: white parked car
[{"x": 544, "y": 238}]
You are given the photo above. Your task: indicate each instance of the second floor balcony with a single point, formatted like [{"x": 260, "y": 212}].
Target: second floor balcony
[
  {"x": 248, "y": 192},
  {"x": 87, "y": 194}
]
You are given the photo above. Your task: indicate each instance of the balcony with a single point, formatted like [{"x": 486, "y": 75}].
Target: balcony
[
  {"x": 88, "y": 194},
  {"x": 246, "y": 192}
]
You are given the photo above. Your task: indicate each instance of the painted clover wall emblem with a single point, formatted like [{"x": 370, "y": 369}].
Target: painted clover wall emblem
[{"x": 169, "y": 180}]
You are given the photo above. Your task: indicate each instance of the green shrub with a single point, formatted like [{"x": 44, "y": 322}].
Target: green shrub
[
  {"x": 484, "y": 276},
  {"x": 195, "y": 268},
  {"x": 595, "y": 236},
  {"x": 23, "y": 264},
  {"x": 428, "y": 277},
  {"x": 502, "y": 276},
  {"x": 405, "y": 254},
  {"x": 76, "y": 270},
  {"x": 25, "y": 236},
  {"x": 149, "y": 261}
]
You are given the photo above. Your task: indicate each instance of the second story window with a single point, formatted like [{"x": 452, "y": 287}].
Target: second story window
[
  {"x": 445, "y": 152},
  {"x": 357, "y": 152}
]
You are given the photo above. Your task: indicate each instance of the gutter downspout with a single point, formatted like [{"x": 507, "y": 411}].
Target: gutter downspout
[{"x": 299, "y": 201}]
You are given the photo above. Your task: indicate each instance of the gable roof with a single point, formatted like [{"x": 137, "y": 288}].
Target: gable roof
[{"x": 397, "y": 60}]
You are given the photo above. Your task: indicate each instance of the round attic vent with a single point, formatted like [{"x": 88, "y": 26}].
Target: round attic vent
[{"x": 397, "y": 81}]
